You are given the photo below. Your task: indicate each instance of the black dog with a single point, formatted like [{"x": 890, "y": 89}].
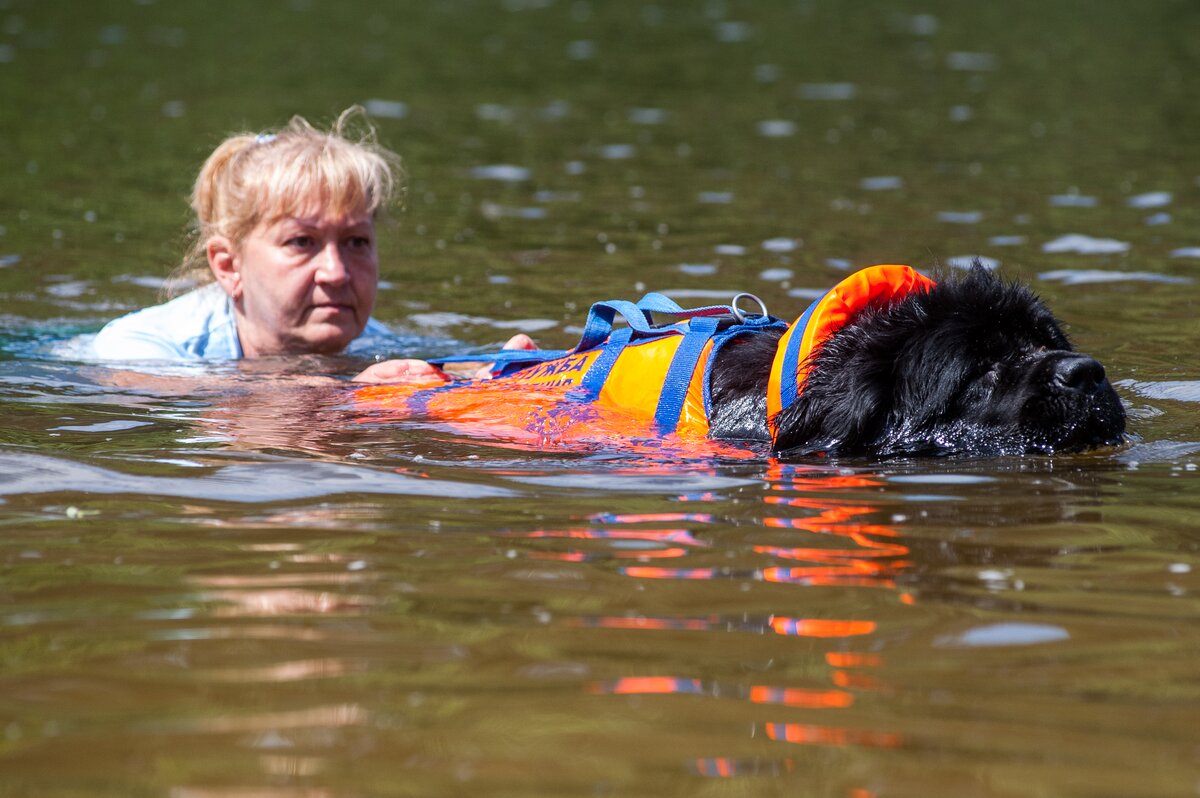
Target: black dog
[{"x": 974, "y": 365}]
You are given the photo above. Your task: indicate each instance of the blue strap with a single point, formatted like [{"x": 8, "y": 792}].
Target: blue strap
[
  {"x": 679, "y": 374},
  {"x": 601, "y": 316},
  {"x": 600, "y": 320},
  {"x": 593, "y": 381},
  {"x": 788, "y": 388},
  {"x": 505, "y": 361},
  {"x": 598, "y": 331},
  {"x": 658, "y": 303},
  {"x": 752, "y": 325}
]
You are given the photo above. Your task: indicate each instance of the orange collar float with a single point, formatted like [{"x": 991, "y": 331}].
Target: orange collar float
[
  {"x": 876, "y": 286},
  {"x": 659, "y": 372}
]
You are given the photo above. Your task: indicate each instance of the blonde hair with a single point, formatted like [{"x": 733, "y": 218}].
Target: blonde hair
[{"x": 251, "y": 179}]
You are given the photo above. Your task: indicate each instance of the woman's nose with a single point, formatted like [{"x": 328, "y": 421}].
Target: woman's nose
[{"x": 332, "y": 267}]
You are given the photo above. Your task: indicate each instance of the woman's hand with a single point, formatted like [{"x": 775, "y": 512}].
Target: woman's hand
[
  {"x": 518, "y": 341},
  {"x": 407, "y": 370},
  {"x": 412, "y": 371}
]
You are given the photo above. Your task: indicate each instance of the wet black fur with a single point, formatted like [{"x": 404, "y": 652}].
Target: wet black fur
[{"x": 975, "y": 366}]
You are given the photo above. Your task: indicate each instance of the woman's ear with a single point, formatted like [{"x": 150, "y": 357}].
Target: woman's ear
[{"x": 223, "y": 261}]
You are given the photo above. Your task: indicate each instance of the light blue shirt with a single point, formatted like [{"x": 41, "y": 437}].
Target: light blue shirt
[{"x": 198, "y": 325}]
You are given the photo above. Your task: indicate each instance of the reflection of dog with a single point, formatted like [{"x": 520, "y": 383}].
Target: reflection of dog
[
  {"x": 886, "y": 363},
  {"x": 969, "y": 365}
]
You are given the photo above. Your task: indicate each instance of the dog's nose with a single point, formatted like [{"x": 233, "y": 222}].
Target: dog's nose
[{"x": 1078, "y": 373}]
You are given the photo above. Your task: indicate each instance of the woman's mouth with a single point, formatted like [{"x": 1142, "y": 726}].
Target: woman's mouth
[{"x": 331, "y": 308}]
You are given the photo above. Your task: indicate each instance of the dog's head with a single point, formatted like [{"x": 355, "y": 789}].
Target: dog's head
[{"x": 973, "y": 366}]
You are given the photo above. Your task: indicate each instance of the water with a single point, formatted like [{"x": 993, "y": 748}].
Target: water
[{"x": 243, "y": 583}]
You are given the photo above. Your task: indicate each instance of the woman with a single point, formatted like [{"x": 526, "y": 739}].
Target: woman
[{"x": 285, "y": 239}]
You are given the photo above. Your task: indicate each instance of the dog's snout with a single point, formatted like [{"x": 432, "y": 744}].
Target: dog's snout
[{"x": 1078, "y": 373}]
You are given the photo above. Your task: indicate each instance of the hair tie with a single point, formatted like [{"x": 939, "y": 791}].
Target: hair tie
[{"x": 264, "y": 138}]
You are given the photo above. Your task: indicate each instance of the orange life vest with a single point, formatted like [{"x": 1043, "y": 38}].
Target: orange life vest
[{"x": 656, "y": 374}]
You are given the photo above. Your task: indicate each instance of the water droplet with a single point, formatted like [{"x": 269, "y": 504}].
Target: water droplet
[
  {"x": 960, "y": 217},
  {"x": 582, "y": 50},
  {"x": 971, "y": 62},
  {"x": 1153, "y": 199},
  {"x": 617, "y": 152},
  {"x": 647, "y": 116},
  {"x": 766, "y": 73},
  {"x": 732, "y": 32},
  {"x": 781, "y": 244},
  {"x": 505, "y": 173},
  {"x": 1073, "y": 201},
  {"x": 883, "y": 183},
  {"x": 386, "y": 109},
  {"x": 827, "y": 91},
  {"x": 776, "y": 128}
]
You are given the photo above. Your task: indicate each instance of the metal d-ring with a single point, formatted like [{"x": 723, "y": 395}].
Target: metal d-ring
[{"x": 737, "y": 313}]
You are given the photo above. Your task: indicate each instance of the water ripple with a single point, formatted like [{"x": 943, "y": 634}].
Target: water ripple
[
  {"x": 1089, "y": 276},
  {"x": 1005, "y": 634},
  {"x": 1085, "y": 245},
  {"x": 1180, "y": 391},
  {"x": 244, "y": 482},
  {"x": 637, "y": 483},
  {"x": 1153, "y": 199}
]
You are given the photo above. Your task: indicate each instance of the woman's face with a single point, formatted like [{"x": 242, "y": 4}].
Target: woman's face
[{"x": 302, "y": 285}]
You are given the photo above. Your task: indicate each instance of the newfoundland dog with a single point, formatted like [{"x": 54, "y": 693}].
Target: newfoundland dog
[
  {"x": 887, "y": 363},
  {"x": 973, "y": 365}
]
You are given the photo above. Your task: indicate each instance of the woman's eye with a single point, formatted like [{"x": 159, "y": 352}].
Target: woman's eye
[
  {"x": 300, "y": 242},
  {"x": 360, "y": 242}
]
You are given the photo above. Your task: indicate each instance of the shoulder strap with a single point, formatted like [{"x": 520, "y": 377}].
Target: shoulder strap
[{"x": 679, "y": 373}]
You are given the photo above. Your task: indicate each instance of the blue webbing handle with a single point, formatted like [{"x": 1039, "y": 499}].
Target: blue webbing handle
[
  {"x": 506, "y": 361},
  {"x": 602, "y": 315},
  {"x": 600, "y": 320},
  {"x": 597, "y": 331},
  {"x": 679, "y": 374},
  {"x": 659, "y": 303},
  {"x": 503, "y": 356},
  {"x": 597, "y": 374}
]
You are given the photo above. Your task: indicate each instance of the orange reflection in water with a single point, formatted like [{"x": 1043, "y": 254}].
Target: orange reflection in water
[
  {"x": 871, "y": 553},
  {"x": 866, "y": 554},
  {"x": 755, "y": 694},
  {"x": 793, "y": 627},
  {"x": 810, "y": 734},
  {"x": 840, "y": 541},
  {"x": 622, "y": 543},
  {"x": 721, "y": 767},
  {"x": 800, "y": 697}
]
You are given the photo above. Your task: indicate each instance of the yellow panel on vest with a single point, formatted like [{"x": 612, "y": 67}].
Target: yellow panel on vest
[{"x": 636, "y": 382}]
